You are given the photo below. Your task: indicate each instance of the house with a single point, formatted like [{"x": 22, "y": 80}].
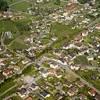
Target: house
[
  {"x": 39, "y": 1},
  {"x": 37, "y": 66},
  {"x": 2, "y": 77},
  {"x": 79, "y": 38},
  {"x": 29, "y": 98},
  {"x": 73, "y": 1},
  {"x": 9, "y": 35},
  {"x": 98, "y": 27},
  {"x": 90, "y": 58},
  {"x": 71, "y": 46},
  {"x": 82, "y": 97},
  {"x": 7, "y": 14},
  {"x": 0, "y": 14},
  {"x": 44, "y": 73},
  {"x": 65, "y": 46},
  {"x": 72, "y": 91},
  {"x": 92, "y": 92},
  {"x": 58, "y": 73},
  {"x": 54, "y": 38},
  {"x": 52, "y": 65},
  {"x": 8, "y": 72},
  {"x": 74, "y": 67},
  {"x": 62, "y": 61},
  {"x": 57, "y": 53},
  {"x": 22, "y": 92},
  {"x": 44, "y": 94},
  {"x": 85, "y": 33},
  {"x": 59, "y": 96},
  {"x": 97, "y": 97},
  {"x": 52, "y": 72},
  {"x": 71, "y": 7},
  {"x": 34, "y": 86},
  {"x": 25, "y": 61},
  {"x": 68, "y": 84},
  {"x": 80, "y": 84},
  {"x": 2, "y": 62}
]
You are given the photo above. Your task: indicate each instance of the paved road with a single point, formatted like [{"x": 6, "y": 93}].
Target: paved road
[
  {"x": 73, "y": 73},
  {"x": 8, "y": 90},
  {"x": 67, "y": 68}
]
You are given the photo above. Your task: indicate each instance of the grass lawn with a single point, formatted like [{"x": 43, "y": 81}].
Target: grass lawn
[
  {"x": 30, "y": 70},
  {"x": 17, "y": 45},
  {"x": 69, "y": 76},
  {"x": 62, "y": 30},
  {"x": 22, "y": 24},
  {"x": 81, "y": 60},
  {"x": 22, "y": 6},
  {"x": 90, "y": 38},
  {"x": 45, "y": 41},
  {"x": 10, "y": 92},
  {"x": 51, "y": 5},
  {"x": 18, "y": 28},
  {"x": 6, "y": 85},
  {"x": 89, "y": 75},
  {"x": 50, "y": 98},
  {"x": 7, "y": 25},
  {"x": 65, "y": 33},
  {"x": 12, "y": 1},
  {"x": 16, "y": 98},
  {"x": 14, "y": 26}
]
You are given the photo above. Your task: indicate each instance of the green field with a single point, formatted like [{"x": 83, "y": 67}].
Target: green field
[
  {"x": 81, "y": 60},
  {"x": 7, "y": 25},
  {"x": 17, "y": 45},
  {"x": 18, "y": 28},
  {"x": 62, "y": 30},
  {"x": 14, "y": 26},
  {"x": 22, "y": 6},
  {"x": 65, "y": 33},
  {"x": 6, "y": 85},
  {"x": 30, "y": 70},
  {"x": 91, "y": 76},
  {"x": 16, "y": 98}
]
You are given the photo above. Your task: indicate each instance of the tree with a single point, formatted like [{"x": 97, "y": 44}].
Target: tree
[
  {"x": 97, "y": 3},
  {"x": 57, "y": 2},
  {"x": 3, "y": 5}
]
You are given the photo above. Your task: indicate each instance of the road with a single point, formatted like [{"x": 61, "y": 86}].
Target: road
[
  {"x": 66, "y": 67},
  {"x": 15, "y": 84},
  {"x": 8, "y": 90}
]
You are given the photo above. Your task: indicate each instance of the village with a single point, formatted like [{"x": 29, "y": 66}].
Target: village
[{"x": 50, "y": 56}]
